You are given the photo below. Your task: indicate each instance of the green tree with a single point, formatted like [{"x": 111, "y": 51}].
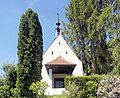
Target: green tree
[
  {"x": 114, "y": 30},
  {"x": 87, "y": 34},
  {"x": 8, "y": 81},
  {"x": 30, "y": 50}
]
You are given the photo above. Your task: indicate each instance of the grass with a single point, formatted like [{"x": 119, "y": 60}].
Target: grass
[{"x": 58, "y": 96}]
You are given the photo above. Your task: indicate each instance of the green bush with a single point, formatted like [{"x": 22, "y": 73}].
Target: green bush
[
  {"x": 83, "y": 86},
  {"x": 72, "y": 89},
  {"x": 39, "y": 87},
  {"x": 5, "y": 91},
  {"x": 109, "y": 87}
]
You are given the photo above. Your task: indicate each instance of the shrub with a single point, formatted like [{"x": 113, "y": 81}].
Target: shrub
[
  {"x": 39, "y": 87},
  {"x": 72, "y": 89},
  {"x": 4, "y": 91},
  {"x": 83, "y": 86},
  {"x": 109, "y": 87}
]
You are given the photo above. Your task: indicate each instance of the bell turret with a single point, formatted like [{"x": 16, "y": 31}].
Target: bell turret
[{"x": 58, "y": 26}]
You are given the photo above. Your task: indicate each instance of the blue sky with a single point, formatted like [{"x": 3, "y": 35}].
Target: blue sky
[{"x": 10, "y": 13}]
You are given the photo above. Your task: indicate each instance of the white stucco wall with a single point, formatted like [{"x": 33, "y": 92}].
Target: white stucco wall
[{"x": 59, "y": 47}]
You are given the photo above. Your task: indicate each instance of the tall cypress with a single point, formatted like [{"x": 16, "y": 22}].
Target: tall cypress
[{"x": 30, "y": 49}]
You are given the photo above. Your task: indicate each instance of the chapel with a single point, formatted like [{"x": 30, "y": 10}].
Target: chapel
[{"x": 59, "y": 61}]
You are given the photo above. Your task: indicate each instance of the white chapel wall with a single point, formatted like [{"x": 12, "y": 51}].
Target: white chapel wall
[{"x": 60, "y": 48}]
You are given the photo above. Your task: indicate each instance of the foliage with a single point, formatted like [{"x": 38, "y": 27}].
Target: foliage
[
  {"x": 72, "y": 88},
  {"x": 10, "y": 75},
  {"x": 114, "y": 30},
  {"x": 109, "y": 87},
  {"x": 2, "y": 81},
  {"x": 30, "y": 50},
  {"x": 8, "y": 81},
  {"x": 87, "y": 32},
  {"x": 83, "y": 86},
  {"x": 39, "y": 88},
  {"x": 15, "y": 92},
  {"x": 5, "y": 91}
]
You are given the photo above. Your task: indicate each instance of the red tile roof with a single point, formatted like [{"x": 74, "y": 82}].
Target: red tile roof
[{"x": 60, "y": 61}]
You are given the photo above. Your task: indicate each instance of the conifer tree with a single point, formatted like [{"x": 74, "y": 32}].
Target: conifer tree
[
  {"x": 87, "y": 33},
  {"x": 114, "y": 31},
  {"x": 30, "y": 49}
]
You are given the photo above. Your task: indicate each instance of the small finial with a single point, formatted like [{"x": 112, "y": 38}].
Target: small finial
[
  {"x": 58, "y": 25},
  {"x": 58, "y": 22},
  {"x": 58, "y": 17}
]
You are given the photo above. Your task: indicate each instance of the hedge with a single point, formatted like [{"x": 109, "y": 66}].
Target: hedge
[{"x": 82, "y": 86}]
